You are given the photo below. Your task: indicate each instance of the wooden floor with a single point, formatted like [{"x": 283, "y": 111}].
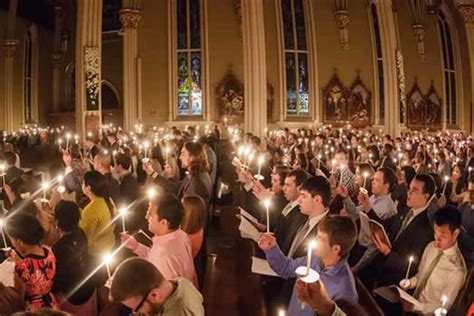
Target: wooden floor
[{"x": 230, "y": 288}]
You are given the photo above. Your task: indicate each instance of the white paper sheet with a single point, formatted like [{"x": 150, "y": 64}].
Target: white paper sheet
[
  {"x": 260, "y": 266},
  {"x": 247, "y": 215},
  {"x": 6, "y": 272},
  {"x": 248, "y": 231}
]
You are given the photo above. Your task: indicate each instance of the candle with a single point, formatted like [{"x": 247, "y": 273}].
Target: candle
[
  {"x": 281, "y": 312},
  {"x": 333, "y": 170},
  {"x": 44, "y": 185},
  {"x": 5, "y": 245},
  {"x": 141, "y": 231},
  {"x": 167, "y": 152},
  {"x": 446, "y": 178},
  {"x": 151, "y": 193},
  {"x": 366, "y": 175},
  {"x": 319, "y": 161},
  {"x": 2, "y": 169},
  {"x": 410, "y": 261},
  {"x": 107, "y": 260},
  {"x": 123, "y": 212},
  {"x": 145, "y": 147},
  {"x": 266, "y": 203},
  {"x": 68, "y": 136},
  {"x": 311, "y": 246}
]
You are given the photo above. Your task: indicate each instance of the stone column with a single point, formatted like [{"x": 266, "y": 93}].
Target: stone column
[
  {"x": 467, "y": 11},
  {"x": 255, "y": 72},
  {"x": 388, "y": 38},
  {"x": 130, "y": 17},
  {"x": 57, "y": 55},
  {"x": 88, "y": 66},
  {"x": 9, "y": 48}
]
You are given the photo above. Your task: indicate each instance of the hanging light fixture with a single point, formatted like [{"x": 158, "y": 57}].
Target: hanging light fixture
[{"x": 433, "y": 6}]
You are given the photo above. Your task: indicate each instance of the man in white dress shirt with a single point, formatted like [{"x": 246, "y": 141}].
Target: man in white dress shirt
[{"x": 442, "y": 270}]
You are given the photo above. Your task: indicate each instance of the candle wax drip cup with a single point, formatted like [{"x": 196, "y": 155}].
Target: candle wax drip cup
[
  {"x": 259, "y": 177},
  {"x": 303, "y": 275}
]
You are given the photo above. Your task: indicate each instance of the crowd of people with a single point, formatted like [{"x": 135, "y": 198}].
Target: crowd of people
[
  {"x": 86, "y": 206},
  {"x": 380, "y": 212},
  {"x": 391, "y": 218}
]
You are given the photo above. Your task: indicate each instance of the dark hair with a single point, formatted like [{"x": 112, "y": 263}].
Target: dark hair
[
  {"x": 255, "y": 140},
  {"x": 318, "y": 185},
  {"x": 303, "y": 161},
  {"x": 450, "y": 216},
  {"x": 300, "y": 176},
  {"x": 67, "y": 215},
  {"x": 10, "y": 158},
  {"x": 282, "y": 171},
  {"x": 341, "y": 231},
  {"x": 428, "y": 183},
  {"x": 75, "y": 151},
  {"x": 123, "y": 160},
  {"x": 388, "y": 177},
  {"x": 96, "y": 181},
  {"x": 126, "y": 282},
  {"x": 198, "y": 157},
  {"x": 25, "y": 227},
  {"x": 18, "y": 186},
  {"x": 410, "y": 173},
  {"x": 169, "y": 207}
]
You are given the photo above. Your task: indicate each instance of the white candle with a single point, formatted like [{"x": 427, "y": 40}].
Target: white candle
[
  {"x": 446, "y": 178},
  {"x": 45, "y": 187},
  {"x": 410, "y": 261},
  {"x": 366, "y": 175},
  {"x": 267, "y": 208},
  {"x": 2, "y": 169},
  {"x": 261, "y": 159},
  {"x": 3, "y": 234},
  {"x": 68, "y": 136},
  {"x": 281, "y": 312},
  {"x": 145, "y": 146},
  {"x": 107, "y": 260},
  {"x": 311, "y": 246},
  {"x": 123, "y": 212},
  {"x": 319, "y": 161},
  {"x": 340, "y": 177}
]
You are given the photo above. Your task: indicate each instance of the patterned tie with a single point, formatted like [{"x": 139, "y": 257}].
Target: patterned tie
[
  {"x": 298, "y": 239},
  {"x": 405, "y": 223},
  {"x": 424, "y": 279},
  {"x": 287, "y": 209}
]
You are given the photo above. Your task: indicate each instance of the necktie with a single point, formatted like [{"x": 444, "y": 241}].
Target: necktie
[
  {"x": 405, "y": 223},
  {"x": 425, "y": 277},
  {"x": 287, "y": 209},
  {"x": 298, "y": 239}
]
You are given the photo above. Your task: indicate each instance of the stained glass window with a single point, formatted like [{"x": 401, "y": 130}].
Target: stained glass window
[
  {"x": 28, "y": 78},
  {"x": 449, "y": 69},
  {"x": 189, "y": 58},
  {"x": 296, "y": 57},
  {"x": 379, "y": 65}
]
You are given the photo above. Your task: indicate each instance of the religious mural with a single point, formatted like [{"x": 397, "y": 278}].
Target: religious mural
[{"x": 424, "y": 111}]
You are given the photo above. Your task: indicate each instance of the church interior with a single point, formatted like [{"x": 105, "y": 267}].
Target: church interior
[{"x": 237, "y": 157}]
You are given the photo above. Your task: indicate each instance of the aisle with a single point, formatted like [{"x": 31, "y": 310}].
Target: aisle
[{"x": 230, "y": 288}]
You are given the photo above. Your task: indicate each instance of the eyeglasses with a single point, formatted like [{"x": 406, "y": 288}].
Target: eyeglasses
[{"x": 136, "y": 311}]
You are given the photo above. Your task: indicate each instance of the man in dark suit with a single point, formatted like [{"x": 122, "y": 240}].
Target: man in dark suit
[
  {"x": 129, "y": 186},
  {"x": 386, "y": 160},
  {"x": 102, "y": 163},
  {"x": 409, "y": 235}
]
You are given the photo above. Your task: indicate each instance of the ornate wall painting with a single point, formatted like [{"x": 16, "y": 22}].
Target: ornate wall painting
[
  {"x": 433, "y": 109},
  {"x": 335, "y": 101},
  {"x": 416, "y": 103},
  {"x": 359, "y": 104},
  {"x": 230, "y": 97},
  {"x": 92, "y": 77}
]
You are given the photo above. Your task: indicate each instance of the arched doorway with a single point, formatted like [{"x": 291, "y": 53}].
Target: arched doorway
[{"x": 112, "y": 110}]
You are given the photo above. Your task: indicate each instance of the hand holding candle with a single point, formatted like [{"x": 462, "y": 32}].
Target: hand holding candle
[
  {"x": 261, "y": 160},
  {"x": 365, "y": 175},
  {"x": 107, "y": 258}
]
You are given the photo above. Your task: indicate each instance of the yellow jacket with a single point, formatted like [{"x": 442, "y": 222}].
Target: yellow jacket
[{"x": 96, "y": 224}]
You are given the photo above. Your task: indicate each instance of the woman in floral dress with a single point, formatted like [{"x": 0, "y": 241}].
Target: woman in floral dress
[{"x": 35, "y": 265}]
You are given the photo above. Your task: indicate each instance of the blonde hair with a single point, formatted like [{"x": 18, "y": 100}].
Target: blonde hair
[{"x": 195, "y": 214}]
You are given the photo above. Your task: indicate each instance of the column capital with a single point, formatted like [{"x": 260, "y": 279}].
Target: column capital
[
  {"x": 467, "y": 12},
  {"x": 9, "y": 47},
  {"x": 130, "y": 18}
]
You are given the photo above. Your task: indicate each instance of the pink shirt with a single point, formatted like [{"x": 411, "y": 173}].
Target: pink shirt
[{"x": 171, "y": 254}]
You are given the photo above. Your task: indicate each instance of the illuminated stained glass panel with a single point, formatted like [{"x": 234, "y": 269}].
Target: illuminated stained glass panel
[
  {"x": 296, "y": 57},
  {"x": 189, "y": 58}
]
